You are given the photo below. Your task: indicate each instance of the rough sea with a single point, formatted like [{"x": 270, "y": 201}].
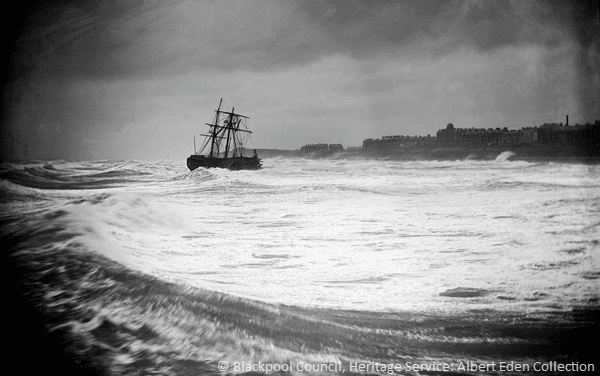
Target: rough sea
[{"x": 308, "y": 266}]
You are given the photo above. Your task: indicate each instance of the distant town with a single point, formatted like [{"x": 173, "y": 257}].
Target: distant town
[{"x": 582, "y": 135}]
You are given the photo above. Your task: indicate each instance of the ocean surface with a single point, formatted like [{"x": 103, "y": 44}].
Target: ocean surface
[{"x": 308, "y": 266}]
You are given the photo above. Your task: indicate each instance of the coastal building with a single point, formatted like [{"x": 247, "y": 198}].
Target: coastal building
[
  {"x": 509, "y": 137},
  {"x": 335, "y": 148},
  {"x": 397, "y": 142},
  {"x": 549, "y": 133},
  {"x": 475, "y": 136},
  {"x": 528, "y": 135},
  {"x": 322, "y": 148},
  {"x": 560, "y": 134},
  {"x": 447, "y": 136},
  {"x": 585, "y": 136}
]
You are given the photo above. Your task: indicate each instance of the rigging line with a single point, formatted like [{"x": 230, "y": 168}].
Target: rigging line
[
  {"x": 224, "y": 127},
  {"x": 204, "y": 147},
  {"x": 201, "y": 134},
  {"x": 234, "y": 114}
]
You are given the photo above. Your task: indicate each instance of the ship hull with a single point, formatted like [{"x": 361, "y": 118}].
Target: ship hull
[{"x": 234, "y": 163}]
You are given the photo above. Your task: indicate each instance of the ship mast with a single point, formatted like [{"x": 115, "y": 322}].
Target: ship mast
[
  {"x": 229, "y": 126},
  {"x": 228, "y": 130},
  {"x": 214, "y": 133},
  {"x": 235, "y": 142}
]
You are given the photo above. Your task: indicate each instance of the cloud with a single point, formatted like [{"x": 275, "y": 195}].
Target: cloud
[
  {"x": 101, "y": 40},
  {"x": 110, "y": 40},
  {"x": 106, "y": 79}
]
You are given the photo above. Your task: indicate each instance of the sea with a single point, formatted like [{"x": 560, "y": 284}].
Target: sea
[{"x": 309, "y": 266}]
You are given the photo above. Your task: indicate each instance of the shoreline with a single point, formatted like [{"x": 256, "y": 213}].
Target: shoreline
[{"x": 523, "y": 152}]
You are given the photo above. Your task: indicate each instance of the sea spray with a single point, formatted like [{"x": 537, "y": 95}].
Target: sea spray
[
  {"x": 312, "y": 261},
  {"x": 504, "y": 156}
]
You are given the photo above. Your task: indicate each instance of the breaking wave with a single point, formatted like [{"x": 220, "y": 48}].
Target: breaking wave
[{"x": 146, "y": 268}]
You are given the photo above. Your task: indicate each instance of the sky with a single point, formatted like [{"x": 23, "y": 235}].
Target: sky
[{"x": 124, "y": 79}]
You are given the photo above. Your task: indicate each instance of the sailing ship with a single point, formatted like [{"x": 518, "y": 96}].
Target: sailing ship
[{"x": 224, "y": 144}]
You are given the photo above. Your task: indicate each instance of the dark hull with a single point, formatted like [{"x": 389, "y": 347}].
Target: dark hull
[{"x": 234, "y": 163}]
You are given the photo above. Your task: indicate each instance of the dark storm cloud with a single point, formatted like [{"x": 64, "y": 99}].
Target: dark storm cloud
[
  {"x": 65, "y": 48},
  {"x": 364, "y": 28},
  {"x": 112, "y": 40},
  {"x": 489, "y": 25},
  {"x": 121, "y": 38},
  {"x": 81, "y": 38}
]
